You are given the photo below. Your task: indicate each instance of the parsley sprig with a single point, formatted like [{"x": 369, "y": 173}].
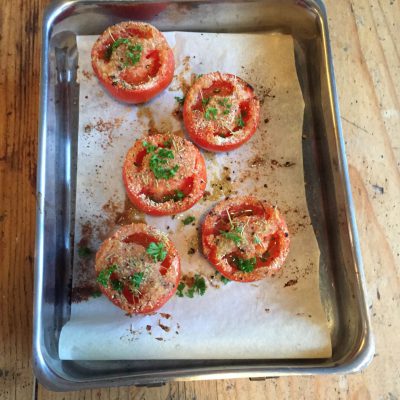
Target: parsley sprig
[
  {"x": 188, "y": 220},
  {"x": 245, "y": 265},
  {"x": 225, "y": 103},
  {"x": 136, "y": 279},
  {"x": 132, "y": 54},
  {"x": 104, "y": 276},
  {"x": 234, "y": 236},
  {"x": 240, "y": 121},
  {"x": 211, "y": 113},
  {"x": 157, "y": 162},
  {"x": 150, "y": 148},
  {"x": 198, "y": 287},
  {"x": 157, "y": 251}
]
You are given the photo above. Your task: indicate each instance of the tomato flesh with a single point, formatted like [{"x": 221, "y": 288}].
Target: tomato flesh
[
  {"x": 221, "y": 112},
  {"x": 125, "y": 254},
  {"x": 245, "y": 239}
]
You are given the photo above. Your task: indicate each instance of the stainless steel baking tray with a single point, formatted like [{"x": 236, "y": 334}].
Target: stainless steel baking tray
[{"x": 326, "y": 177}]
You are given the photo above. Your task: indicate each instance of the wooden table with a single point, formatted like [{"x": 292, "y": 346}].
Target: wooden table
[{"x": 365, "y": 38}]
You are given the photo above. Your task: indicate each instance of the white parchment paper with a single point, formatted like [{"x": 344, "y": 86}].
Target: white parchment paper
[{"x": 279, "y": 317}]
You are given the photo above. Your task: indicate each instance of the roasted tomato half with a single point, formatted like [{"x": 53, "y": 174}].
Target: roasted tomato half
[
  {"x": 245, "y": 239},
  {"x": 133, "y": 61},
  {"x": 164, "y": 174},
  {"x": 221, "y": 112},
  {"x": 138, "y": 268}
]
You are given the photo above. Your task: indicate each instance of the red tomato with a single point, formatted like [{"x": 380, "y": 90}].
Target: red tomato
[
  {"x": 133, "y": 61},
  {"x": 138, "y": 268},
  {"x": 164, "y": 174},
  {"x": 245, "y": 239},
  {"x": 221, "y": 112}
]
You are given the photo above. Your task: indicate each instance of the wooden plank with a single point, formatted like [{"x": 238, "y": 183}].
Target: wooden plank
[{"x": 19, "y": 83}]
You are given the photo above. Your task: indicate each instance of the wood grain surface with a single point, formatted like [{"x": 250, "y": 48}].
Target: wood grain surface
[{"x": 365, "y": 37}]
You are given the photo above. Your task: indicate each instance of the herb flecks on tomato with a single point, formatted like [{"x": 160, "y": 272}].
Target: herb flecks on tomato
[
  {"x": 246, "y": 239},
  {"x": 164, "y": 174},
  {"x": 133, "y": 61},
  {"x": 221, "y": 112},
  {"x": 138, "y": 268}
]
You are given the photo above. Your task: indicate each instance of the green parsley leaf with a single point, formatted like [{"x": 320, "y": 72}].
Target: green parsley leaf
[
  {"x": 165, "y": 153},
  {"x": 231, "y": 236},
  {"x": 188, "y": 220},
  {"x": 256, "y": 239},
  {"x": 104, "y": 275},
  {"x": 96, "y": 293},
  {"x": 205, "y": 101},
  {"x": 168, "y": 143},
  {"x": 179, "y": 291},
  {"x": 240, "y": 121},
  {"x": 114, "y": 46},
  {"x": 84, "y": 252},
  {"x": 224, "y": 280},
  {"x": 178, "y": 195},
  {"x": 225, "y": 103},
  {"x": 157, "y": 251},
  {"x": 245, "y": 265},
  {"x": 180, "y": 100},
  {"x": 199, "y": 76},
  {"x": 117, "y": 285},
  {"x": 211, "y": 113},
  {"x": 150, "y": 148},
  {"x": 157, "y": 161},
  {"x": 136, "y": 279},
  {"x": 134, "y": 53},
  {"x": 199, "y": 285}
]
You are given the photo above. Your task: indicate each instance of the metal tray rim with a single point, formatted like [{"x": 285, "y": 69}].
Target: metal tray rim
[{"x": 52, "y": 380}]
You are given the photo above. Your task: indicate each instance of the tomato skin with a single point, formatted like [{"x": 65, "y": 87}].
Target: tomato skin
[
  {"x": 242, "y": 100},
  {"x": 144, "y": 235},
  {"x": 248, "y": 211},
  {"x": 192, "y": 186},
  {"x": 151, "y": 84}
]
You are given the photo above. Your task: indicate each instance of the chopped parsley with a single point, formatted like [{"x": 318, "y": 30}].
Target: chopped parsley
[
  {"x": 150, "y": 148},
  {"x": 117, "y": 285},
  {"x": 199, "y": 286},
  {"x": 225, "y": 103},
  {"x": 235, "y": 237},
  {"x": 84, "y": 252},
  {"x": 159, "y": 159},
  {"x": 96, "y": 294},
  {"x": 180, "y": 100},
  {"x": 179, "y": 291},
  {"x": 136, "y": 279},
  {"x": 188, "y": 220},
  {"x": 245, "y": 265},
  {"x": 256, "y": 239},
  {"x": 168, "y": 143},
  {"x": 205, "y": 101},
  {"x": 178, "y": 195},
  {"x": 211, "y": 113},
  {"x": 132, "y": 54},
  {"x": 224, "y": 280},
  {"x": 104, "y": 276},
  {"x": 157, "y": 251},
  {"x": 240, "y": 121}
]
